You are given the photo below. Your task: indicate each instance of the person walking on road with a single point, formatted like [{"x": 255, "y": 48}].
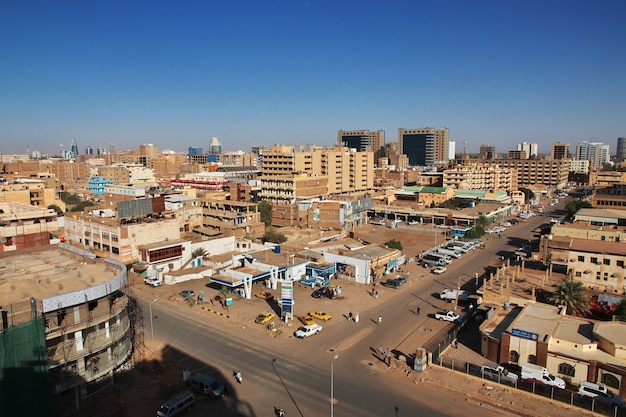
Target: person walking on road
[
  {"x": 380, "y": 351},
  {"x": 380, "y": 320},
  {"x": 418, "y": 310}
]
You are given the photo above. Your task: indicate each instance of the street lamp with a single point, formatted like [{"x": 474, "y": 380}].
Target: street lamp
[
  {"x": 332, "y": 381},
  {"x": 152, "y": 330}
]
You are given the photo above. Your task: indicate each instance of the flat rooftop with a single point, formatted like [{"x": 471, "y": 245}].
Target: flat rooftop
[{"x": 49, "y": 272}]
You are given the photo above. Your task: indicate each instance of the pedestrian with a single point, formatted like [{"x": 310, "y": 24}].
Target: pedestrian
[
  {"x": 418, "y": 310},
  {"x": 350, "y": 316},
  {"x": 356, "y": 318},
  {"x": 388, "y": 357},
  {"x": 380, "y": 320},
  {"x": 376, "y": 294},
  {"x": 380, "y": 350}
]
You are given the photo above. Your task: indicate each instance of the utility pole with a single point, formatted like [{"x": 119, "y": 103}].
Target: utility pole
[{"x": 456, "y": 298}]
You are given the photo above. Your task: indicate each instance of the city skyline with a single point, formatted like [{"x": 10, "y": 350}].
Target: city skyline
[{"x": 293, "y": 73}]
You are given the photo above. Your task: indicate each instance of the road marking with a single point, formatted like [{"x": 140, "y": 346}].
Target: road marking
[{"x": 346, "y": 343}]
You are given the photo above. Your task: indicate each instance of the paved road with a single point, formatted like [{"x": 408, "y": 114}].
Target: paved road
[{"x": 295, "y": 374}]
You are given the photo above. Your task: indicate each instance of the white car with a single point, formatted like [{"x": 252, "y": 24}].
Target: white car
[
  {"x": 448, "y": 316},
  {"x": 506, "y": 224},
  {"x": 439, "y": 270},
  {"x": 308, "y": 330},
  {"x": 153, "y": 281}
]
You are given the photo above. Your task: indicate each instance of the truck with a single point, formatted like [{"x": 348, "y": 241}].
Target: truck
[
  {"x": 448, "y": 316},
  {"x": 431, "y": 260},
  {"x": 451, "y": 295},
  {"x": 450, "y": 252},
  {"x": 539, "y": 374},
  {"x": 446, "y": 259},
  {"x": 308, "y": 330},
  {"x": 498, "y": 373}
]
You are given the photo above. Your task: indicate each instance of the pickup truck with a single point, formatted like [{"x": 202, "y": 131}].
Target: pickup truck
[
  {"x": 448, "y": 316},
  {"x": 308, "y": 330}
]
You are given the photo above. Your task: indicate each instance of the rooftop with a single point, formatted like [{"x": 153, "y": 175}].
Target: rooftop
[{"x": 49, "y": 272}]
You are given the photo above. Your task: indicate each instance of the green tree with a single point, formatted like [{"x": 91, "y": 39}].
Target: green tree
[
  {"x": 274, "y": 236},
  {"x": 265, "y": 208},
  {"x": 56, "y": 208},
  {"x": 571, "y": 294},
  {"x": 482, "y": 222},
  {"x": 528, "y": 194},
  {"x": 199, "y": 253},
  {"x": 81, "y": 206},
  {"x": 69, "y": 199},
  {"x": 394, "y": 244},
  {"x": 573, "y": 206},
  {"x": 475, "y": 232}
]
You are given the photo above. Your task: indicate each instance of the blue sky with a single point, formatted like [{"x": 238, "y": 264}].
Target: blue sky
[{"x": 176, "y": 73}]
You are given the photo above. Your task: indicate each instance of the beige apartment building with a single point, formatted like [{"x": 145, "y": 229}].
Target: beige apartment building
[
  {"x": 24, "y": 226},
  {"x": 28, "y": 191},
  {"x": 241, "y": 159},
  {"x": 480, "y": 177},
  {"x": 345, "y": 172},
  {"x": 530, "y": 172},
  {"x": 560, "y": 150},
  {"x": 70, "y": 175},
  {"x": 127, "y": 174},
  {"x": 118, "y": 239},
  {"x": 288, "y": 188},
  {"x": 610, "y": 197},
  {"x": 606, "y": 178},
  {"x": 591, "y": 250}
]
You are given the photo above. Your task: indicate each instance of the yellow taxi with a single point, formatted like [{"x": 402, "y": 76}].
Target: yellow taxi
[
  {"x": 264, "y": 317},
  {"x": 320, "y": 315}
]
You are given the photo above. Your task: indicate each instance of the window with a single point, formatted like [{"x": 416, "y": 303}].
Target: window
[
  {"x": 594, "y": 260},
  {"x": 581, "y": 258},
  {"x": 579, "y": 274},
  {"x": 620, "y": 263},
  {"x": 607, "y": 262},
  {"x": 567, "y": 369},
  {"x": 610, "y": 381}
]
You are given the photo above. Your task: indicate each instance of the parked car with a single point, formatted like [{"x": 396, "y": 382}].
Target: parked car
[
  {"x": 187, "y": 293},
  {"x": 439, "y": 270},
  {"x": 448, "y": 316},
  {"x": 392, "y": 283},
  {"x": 204, "y": 384},
  {"x": 264, "y": 295},
  {"x": 306, "y": 331},
  {"x": 306, "y": 320},
  {"x": 320, "y": 315},
  {"x": 264, "y": 317},
  {"x": 183, "y": 401},
  {"x": 319, "y": 293},
  {"x": 498, "y": 373},
  {"x": 600, "y": 393},
  {"x": 153, "y": 281},
  {"x": 401, "y": 279}
]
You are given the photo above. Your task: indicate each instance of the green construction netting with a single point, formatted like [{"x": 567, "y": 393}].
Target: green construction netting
[{"x": 24, "y": 384}]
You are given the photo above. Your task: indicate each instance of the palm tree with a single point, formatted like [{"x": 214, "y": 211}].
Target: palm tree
[
  {"x": 571, "y": 294},
  {"x": 199, "y": 253}
]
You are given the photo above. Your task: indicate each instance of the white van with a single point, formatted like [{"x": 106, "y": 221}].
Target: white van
[
  {"x": 541, "y": 375},
  {"x": 183, "y": 401}
]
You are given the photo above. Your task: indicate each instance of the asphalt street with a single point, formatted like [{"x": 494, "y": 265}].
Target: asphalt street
[{"x": 296, "y": 374}]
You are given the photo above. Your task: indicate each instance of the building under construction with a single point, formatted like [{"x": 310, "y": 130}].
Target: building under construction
[{"x": 68, "y": 324}]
